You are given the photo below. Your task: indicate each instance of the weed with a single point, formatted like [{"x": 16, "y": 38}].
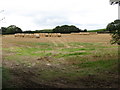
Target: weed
[
  {"x": 43, "y": 44},
  {"x": 76, "y": 49},
  {"x": 100, "y": 65},
  {"x": 71, "y": 54},
  {"x": 5, "y": 76},
  {"x": 78, "y": 43}
]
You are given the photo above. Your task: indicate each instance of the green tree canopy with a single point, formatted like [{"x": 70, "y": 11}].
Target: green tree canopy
[
  {"x": 12, "y": 29},
  {"x": 66, "y": 29},
  {"x": 114, "y": 28},
  {"x": 3, "y": 30}
]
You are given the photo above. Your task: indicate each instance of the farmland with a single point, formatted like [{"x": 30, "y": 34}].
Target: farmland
[{"x": 69, "y": 61}]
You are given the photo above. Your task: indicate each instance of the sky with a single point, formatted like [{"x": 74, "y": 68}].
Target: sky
[{"x": 47, "y": 14}]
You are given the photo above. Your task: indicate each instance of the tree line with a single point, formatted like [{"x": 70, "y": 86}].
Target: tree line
[
  {"x": 67, "y": 29},
  {"x": 12, "y": 29},
  {"x": 113, "y": 28}
]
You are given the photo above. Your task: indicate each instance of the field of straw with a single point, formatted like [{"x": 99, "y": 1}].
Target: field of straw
[{"x": 69, "y": 61}]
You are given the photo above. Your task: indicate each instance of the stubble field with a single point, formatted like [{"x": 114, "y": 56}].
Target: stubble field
[{"x": 70, "y": 61}]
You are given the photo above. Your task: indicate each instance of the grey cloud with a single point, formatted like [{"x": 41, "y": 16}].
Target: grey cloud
[
  {"x": 51, "y": 18},
  {"x": 52, "y": 21}
]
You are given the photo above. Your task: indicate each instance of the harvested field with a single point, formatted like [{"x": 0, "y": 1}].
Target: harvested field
[
  {"x": 38, "y": 35},
  {"x": 69, "y": 61}
]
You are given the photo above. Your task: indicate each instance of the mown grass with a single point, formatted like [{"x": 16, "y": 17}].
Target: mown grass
[
  {"x": 43, "y": 49},
  {"x": 34, "y": 44},
  {"x": 79, "y": 43},
  {"x": 103, "y": 64},
  {"x": 43, "y": 44},
  {"x": 71, "y": 54},
  {"x": 86, "y": 49},
  {"x": 29, "y": 51},
  {"x": 76, "y": 49},
  {"x": 90, "y": 59}
]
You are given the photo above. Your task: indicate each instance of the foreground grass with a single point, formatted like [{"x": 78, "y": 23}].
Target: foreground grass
[{"x": 46, "y": 62}]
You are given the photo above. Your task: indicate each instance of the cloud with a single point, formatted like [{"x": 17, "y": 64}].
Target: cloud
[{"x": 42, "y": 14}]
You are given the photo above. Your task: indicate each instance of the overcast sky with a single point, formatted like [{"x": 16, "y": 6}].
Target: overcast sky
[{"x": 47, "y": 14}]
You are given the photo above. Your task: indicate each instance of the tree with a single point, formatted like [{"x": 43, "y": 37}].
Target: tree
[
  {"x": 66, "y": 29},
  {"x": 3, "y": 30},
  {"x": 28, "y": 31},
  {"x": 12, "y": 29},
  {"x": 115, "y": 2},
  {"x": 85, "y": 30},
  {"x": 114, "y": 28}
]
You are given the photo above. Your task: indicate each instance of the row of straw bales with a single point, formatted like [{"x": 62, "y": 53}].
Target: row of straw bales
[
  {"x": 84, "y": 33},
  {"x": 38, "y": 35},
  {"x": 93, "y": 33}
]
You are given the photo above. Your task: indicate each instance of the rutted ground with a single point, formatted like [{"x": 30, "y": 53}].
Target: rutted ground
[{"x": 68, "y": 61}]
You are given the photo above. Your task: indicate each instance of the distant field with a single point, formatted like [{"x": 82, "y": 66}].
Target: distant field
[
  {"x": 97, "y": 30},
  {"x": 70, "y": 61}
]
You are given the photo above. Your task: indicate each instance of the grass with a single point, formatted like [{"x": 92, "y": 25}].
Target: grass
[
  {"x": 78, "y": 43},
  {"x": 37, "y": 51},
  {"x": 99, "y": 63},
  {"x": 60, "y": 45},
  {"x": 43, "y": 44},
  {"x": 6, "y": 76},
  {"x": 5, "y": 72},
  {"x": 86, "y": 68},
  {"x": 29, "y": 51},
  {"x": 73, "y": 54},
  {"x": 97, "y": 30},
  {"x": 98, "y": 67},
  {"x": 69, "y": 63},
  {"x": 76, "y": 49}
]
